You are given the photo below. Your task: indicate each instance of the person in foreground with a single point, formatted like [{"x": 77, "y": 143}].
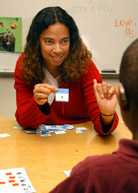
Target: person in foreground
[
  {"x": 118, "y": 172},
  {"x": 56, "y": 57}
]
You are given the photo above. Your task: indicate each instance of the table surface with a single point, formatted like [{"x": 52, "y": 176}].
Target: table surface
[{"x": 46, "y": 158}]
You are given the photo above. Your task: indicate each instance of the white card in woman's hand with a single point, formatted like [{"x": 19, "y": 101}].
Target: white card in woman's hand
[{"x": 62, "y": 95}]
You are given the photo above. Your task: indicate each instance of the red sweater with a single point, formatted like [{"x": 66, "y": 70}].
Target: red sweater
[
  {"x": 116, "y": 173},
  {"x": 82, "y": 105}
]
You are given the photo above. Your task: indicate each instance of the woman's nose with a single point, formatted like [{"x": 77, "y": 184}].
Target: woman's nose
[{"x": 57, "y": 48}]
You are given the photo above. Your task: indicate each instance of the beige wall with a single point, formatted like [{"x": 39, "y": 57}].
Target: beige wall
[{"x": 7, "y": 97}]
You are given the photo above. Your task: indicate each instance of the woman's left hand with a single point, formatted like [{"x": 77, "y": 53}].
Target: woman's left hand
[{"x": 106, "y": 97}]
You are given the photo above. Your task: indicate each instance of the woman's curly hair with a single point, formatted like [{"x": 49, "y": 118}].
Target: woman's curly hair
[{"x": 33, "y": 65}]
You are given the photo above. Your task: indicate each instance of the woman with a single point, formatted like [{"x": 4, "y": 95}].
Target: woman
[{"x": 55, "y": 57}]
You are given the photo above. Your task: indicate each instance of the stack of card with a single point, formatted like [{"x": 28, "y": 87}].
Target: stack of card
[
  {"x": 46, "y": 130},
  {"x": 15, "y": 180}
]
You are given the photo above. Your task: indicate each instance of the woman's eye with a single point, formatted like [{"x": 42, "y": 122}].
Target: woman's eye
[
  {"x": 65, "y": 41},
  {"x": 48, "y": 41}
]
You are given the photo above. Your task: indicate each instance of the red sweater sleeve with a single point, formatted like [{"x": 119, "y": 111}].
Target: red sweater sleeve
[
  {"x": 91, "y": 103},
  {"x": 28, "y": 113}
]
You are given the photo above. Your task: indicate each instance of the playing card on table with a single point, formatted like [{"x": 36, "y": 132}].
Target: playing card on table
[
  {"x": 15, "y": 180},
  {"x": 62, "y": 95},
  {"x": 67, "y": 173},
  {"x": 45, "y": 130}
]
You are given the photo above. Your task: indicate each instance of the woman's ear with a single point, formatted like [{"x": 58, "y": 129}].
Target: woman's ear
[{"x": 122, "y": 98}]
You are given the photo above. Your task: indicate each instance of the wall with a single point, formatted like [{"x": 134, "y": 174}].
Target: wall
[{"x": 107, "y": 27}]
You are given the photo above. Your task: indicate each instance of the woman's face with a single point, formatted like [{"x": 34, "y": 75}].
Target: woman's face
[{"x": 55, "y": 44}]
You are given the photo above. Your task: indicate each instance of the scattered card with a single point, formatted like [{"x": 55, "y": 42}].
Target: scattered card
[
  {"x": 3, "y": 135},
  {"x": 80, "y": 129},
  {"x": 47, "y": 130},
  {"x": 60, "y": 132},
  {"x": 62, "y": 95},
  {"x": 67, "y": 173}
]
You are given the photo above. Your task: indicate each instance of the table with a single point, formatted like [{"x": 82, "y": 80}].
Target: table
[{"x": 46, "y": 158}]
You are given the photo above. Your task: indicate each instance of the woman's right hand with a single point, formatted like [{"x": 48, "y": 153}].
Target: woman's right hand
[{"x": 41, "y": 92}]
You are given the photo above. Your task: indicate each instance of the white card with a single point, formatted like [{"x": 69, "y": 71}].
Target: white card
[
  {"x": 62, "y": 95},
  {"x": 80, "y": 129},
  {"x": 15, "y": 180},
  {"x": 3, "y": 135},
  {"x": 67, "y": 173}
]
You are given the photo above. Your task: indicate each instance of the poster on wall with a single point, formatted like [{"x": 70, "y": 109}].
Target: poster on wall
[{"x": 10, "y": 34}]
